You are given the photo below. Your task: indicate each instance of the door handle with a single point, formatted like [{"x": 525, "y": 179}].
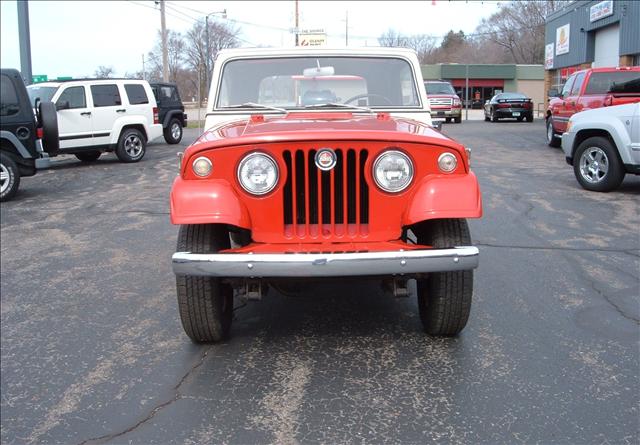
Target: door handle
[
  {"x": 121, "y": 110},
  {"x": 85, "y": 113}
]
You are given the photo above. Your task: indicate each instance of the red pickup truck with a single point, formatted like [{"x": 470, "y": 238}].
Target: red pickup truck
[{"x": 588, "y": 89}]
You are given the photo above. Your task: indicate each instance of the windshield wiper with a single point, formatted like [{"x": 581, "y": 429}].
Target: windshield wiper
[
  {"x": 254, "y": 105},
  {"x": 339, "y": 105}
]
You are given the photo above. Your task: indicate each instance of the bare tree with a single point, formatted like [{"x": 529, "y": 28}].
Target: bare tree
[
  {"x": 392, "y": 38},
  {"x": 176, "y": 56},
  {"x": 104, "y": 72},
  {"x": 518, "y": 27},
  {"x": 221, "y": 36},
  {"x": 424, "y": 45}
]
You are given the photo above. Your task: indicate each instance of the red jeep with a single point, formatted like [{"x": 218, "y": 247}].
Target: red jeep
[
  {"x": 322, "y": 188},
  {"x": 588, "y": 89}
]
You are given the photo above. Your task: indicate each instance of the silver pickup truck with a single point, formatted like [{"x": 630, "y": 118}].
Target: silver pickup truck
[{"x": 603, "y": 145}]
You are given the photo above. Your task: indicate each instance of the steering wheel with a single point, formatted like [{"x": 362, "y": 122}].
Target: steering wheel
[{"x": 371, "y": 95}]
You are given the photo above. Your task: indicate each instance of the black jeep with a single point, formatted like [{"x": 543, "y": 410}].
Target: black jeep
[
  {"x": 170, "y": 111},
  {"x": 25, "y": 135}
]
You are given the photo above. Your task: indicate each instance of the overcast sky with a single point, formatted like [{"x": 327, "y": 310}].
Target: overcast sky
[{"x": 74, "y": 38}]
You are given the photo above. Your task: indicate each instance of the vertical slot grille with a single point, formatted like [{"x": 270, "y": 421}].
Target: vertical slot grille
[{"x": 325, "y": 203}]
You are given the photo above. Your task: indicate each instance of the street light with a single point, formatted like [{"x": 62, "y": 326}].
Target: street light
[{"x": 223, "y": 13}]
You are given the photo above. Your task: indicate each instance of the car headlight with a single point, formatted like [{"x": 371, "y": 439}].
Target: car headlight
[
  {"x": 456, "y": 102},
  {"x": 202, "y": 166},
  {"x": 258, "y": 173},
  {"x": 393, "y": 171},
  {"x": 447, "y": 162}
]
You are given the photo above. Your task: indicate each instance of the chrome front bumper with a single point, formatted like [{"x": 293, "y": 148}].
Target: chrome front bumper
[{"x": 248, "y": 265}]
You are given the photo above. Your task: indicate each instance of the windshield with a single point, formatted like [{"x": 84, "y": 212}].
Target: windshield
[
  {"x": 511, "y": 96},
  {"x": 299, "y": 82},
  {"x": 439, "y": 88},
  {"x": 44, "y": 93}
]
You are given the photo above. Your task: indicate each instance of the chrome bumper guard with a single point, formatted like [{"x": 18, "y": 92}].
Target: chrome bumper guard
[{"x": 249, "y": 265}]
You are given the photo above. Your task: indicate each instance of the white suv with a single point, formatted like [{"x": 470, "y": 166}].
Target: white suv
[{"x": 100, "y": 115}]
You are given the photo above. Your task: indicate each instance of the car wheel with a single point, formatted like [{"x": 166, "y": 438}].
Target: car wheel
[
  {"x": 552, "y": 139},
  {"x": 520, "y": 118},
  {"x": 173, "y": 133},
  {"x": 486, "y": 116},
  {"x": 9, "y": 178},
  {"x": 89, "y": 156},
  {"x": 597, "y": 166},
  {"x": 530, "y": 118},
  {"x": 205, "y": 303},
  {"x": 131, "y": 145},
  {"x": 444, "y": 298},
  {"x": 457, "y": 120},
  {"x": 494, "y": 116},
  {"x": 448, "y": 120}
]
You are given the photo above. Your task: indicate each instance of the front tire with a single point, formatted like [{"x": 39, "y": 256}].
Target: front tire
[
  {"x": 494, "y": 116},
  {"x": 552, "y": 139},
  {"x": 173, "y": 132},
  {"x": 89, "y": 156},
  {"x": 9, "y": 178},
  {"x": 444, "y": 298},
  {"x": 132, "y": 145},
  {"x": 205, "y": 303},
  {"x": 457, "y": 120},
  {"x": 597, "y": 166}
]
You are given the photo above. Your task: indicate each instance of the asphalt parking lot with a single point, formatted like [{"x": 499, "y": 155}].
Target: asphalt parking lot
[{"x": 92, "y": 350}]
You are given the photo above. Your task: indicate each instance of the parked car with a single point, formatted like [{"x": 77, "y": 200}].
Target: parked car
[
  {"x": 444, "y": 101},
  {"x": 508, "y": 105},
  {"x": 24, "y": 134},
  {"x": 102, "y": 115},
  {"x": 277, "y": 190},
  {"x": 170, "y": 111},
  {"x": 603, "y": 145},
  {"x": 589, "y": 89}
]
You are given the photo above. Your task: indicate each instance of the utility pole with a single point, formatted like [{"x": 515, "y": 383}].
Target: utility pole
[
  {"x": 346, "y": 28},
  {"x": 25, "y": 41},
  {"x": 206, "y": 56},
  {"x": 163, "y": 27},
  {"x": 466, "y": 92},
  {"x": 296, "y": 29}
]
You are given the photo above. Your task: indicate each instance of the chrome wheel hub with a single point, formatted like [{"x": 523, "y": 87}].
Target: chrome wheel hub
[
  {"x": 176, "y": 130},
  {"x": 133, "y": 146},
  {"x": 594, "y": 165},
  {"x": 4, "y": 178}
]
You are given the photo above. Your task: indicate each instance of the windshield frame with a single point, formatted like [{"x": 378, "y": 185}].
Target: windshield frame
[
  {"x": 226, "y": 110},
  {"x": 433, "y": 82}
]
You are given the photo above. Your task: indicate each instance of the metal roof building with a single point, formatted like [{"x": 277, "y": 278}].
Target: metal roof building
[{"x": 588, "y": 34}]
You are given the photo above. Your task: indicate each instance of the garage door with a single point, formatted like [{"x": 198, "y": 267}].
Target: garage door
[{"x": 607, "y": 51}]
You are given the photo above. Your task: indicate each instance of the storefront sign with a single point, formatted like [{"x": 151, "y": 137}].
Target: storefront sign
[
  {"x": 548, "y": 56},
  {"x": 562, "y": 40},
  {"x": 600, "y": 10},
  {"x": 312, "y": 37}
]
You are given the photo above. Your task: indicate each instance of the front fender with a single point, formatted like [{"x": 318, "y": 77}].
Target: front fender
[
  {"x": 444, "y": 196},
  {"x": 206, "y": 202}
]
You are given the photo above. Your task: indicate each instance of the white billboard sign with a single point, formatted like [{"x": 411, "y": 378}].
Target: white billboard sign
[
  {"x": 601, "y": 10},
  {"x": 548, "y": 56},
  {"x": 562, "y": 39}
]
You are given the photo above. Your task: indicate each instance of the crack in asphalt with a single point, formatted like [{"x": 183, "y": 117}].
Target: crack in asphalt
[
  {"x": 177, "y": 396},
  {"x": 633, "y": 252}
]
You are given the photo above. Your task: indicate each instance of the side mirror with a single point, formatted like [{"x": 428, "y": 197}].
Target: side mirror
[{"x": 62, "y": 105}]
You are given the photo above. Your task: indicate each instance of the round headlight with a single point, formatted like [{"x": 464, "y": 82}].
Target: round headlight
[
  {"x": 202, "y": 166},
  {"x": 393, "y": 171},
  {"x": 447, "y": 162},
  {"x": 258, "y": 173}
]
